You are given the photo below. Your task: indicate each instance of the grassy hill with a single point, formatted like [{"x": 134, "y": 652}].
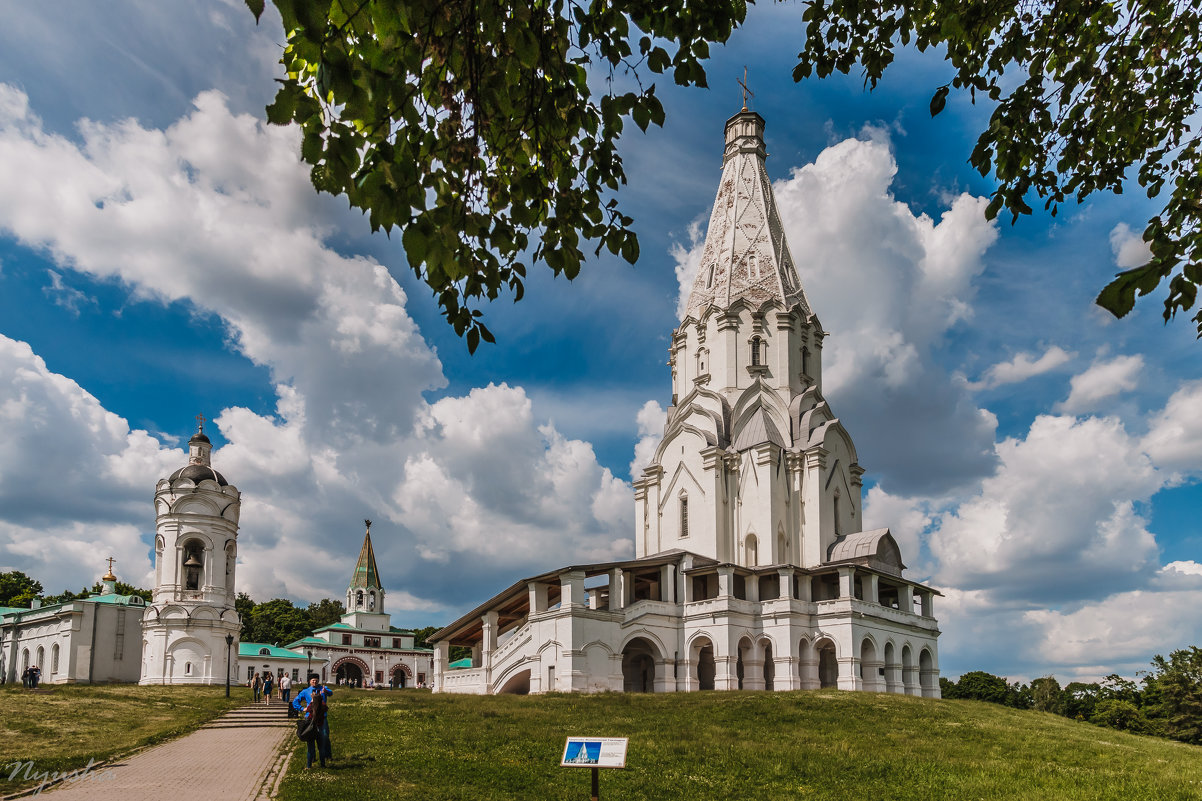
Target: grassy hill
[
  {"x": 61, "y": 727},
  {"x": 732, "y": 745}
]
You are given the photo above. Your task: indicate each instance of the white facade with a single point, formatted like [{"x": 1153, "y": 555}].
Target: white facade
[
  {"x": 751, "y": 567},
  {"x": 89, "y": 640},
  {"x": 185, "y": 627}
]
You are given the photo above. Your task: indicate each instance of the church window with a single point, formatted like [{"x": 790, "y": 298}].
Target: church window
[
  {"x": 371, "y": 642},
  {"x": 805, "y": 360},
  {"x": 54, "y": 659},
  {"x": 346, "y": 639},
  {"x": 250, "y": 672},
  {"x": 709, "y": 280},
  {"x": 187, "y": 668},
  {"x": 264, "y": 652},
  {"x": 757, "y": 351},
  {"x": 752, "y": 549},
  {"x": 684, "y": 515},
  {"x": 396, "y": 642},
  {"x": 296, "y": 674},
  {"x": 753, "y": 266},
  {"x": 41, "y": 658},
  {"x": 838, "y": 524},
  {"x": 24, "y": 659}
]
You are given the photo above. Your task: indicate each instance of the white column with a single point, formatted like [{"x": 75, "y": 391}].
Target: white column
[
  {"x": 847, "y": 582},
  {"x": 615, "y": 589},
  {"x": 872, "y": 592}
]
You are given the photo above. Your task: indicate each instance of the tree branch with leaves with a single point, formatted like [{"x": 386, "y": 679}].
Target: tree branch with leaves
[
  {"x": 1088, "y": 94},
  {"x": 476, "y": 127}
]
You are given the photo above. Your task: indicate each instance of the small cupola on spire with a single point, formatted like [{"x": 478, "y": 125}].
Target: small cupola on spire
[
  {"x": 199, "y": 447},
  {"x": 199, "y": 466},
  {"x": 108, "y": 582}
]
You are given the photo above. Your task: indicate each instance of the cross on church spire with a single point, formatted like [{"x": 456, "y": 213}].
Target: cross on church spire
[
  {"x": 746, "y": 91},
  {"x": 109, "y": 575},
  {"x": 200, "y": 424}
]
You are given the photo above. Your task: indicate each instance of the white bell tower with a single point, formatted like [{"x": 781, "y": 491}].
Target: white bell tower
[{"x": 185, "y": 627}]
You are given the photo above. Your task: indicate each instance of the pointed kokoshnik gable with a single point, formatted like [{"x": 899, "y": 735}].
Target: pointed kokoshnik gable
[{"x": 745, "y": 256}]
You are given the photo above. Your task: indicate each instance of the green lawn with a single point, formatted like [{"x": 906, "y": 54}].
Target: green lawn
[
  {"x": 731, "y": 745},
  {"x": 60, "y": 727}
]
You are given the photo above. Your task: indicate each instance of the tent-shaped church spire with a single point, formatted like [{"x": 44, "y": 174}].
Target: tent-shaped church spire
[
  {"x": 367, "y": 575},
  {"x": 745, "y": 256}
]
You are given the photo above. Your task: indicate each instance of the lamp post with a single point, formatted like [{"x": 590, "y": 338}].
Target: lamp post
[
  {"x": 229, "y": 644},
  {"x": 308, "y": 662}
]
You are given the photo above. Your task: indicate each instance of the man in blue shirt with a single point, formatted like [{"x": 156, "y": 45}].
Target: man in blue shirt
[{"x": 302, "y": 702}]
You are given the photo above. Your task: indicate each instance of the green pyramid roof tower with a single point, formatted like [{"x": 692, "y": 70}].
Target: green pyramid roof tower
[{"x": 367, "y": 575}]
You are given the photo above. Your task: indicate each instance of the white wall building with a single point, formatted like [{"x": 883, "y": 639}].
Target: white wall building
[
  {"x": 751, "y": 569},
  {"x": 185, "y": 627},
  {"x": 94, "y": 639}
]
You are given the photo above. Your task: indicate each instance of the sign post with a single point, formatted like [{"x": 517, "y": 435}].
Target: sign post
[{"x": 595, "y": 753}]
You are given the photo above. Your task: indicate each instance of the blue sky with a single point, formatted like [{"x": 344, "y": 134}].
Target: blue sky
[{"x": 162, "y": 254}]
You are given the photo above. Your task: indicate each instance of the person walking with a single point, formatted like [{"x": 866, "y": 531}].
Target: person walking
[
  {"x": 267, "y": 682},
  {"x": 304, "y": 703},
  {"x": 256, "y": 684},
  {"x": 286, "y": 693},
  {"x": 35, "y": 675},
  {"x": 25, "y": 678}
]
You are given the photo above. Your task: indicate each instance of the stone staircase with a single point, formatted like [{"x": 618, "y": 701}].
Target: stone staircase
[{"x": 255, "y": 716}]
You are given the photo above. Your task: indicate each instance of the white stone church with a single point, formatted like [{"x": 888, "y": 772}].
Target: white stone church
[
  {"x": 189, "y": 632},
  {"x": 751, "y": 570}
]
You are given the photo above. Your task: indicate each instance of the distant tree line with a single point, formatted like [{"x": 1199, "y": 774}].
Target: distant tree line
[
  {"x": 19, "y": 591},
  {"x": 1166, "y": 701},
  {"x": 280, "y": 621}
]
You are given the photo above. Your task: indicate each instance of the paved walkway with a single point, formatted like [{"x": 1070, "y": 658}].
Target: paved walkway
[{"x": 229, "y": 759}]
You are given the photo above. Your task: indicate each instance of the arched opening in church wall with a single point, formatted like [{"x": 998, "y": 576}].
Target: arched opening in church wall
[
  {"x": 518, "y": 684},
  {"x": 909, "y": 671},
  {"x": 741, "y": 664},
  {"x": 54, "y": 659},
  {"x": 927, "y": 675},
  {"x": 893, "y": 672},
  {"x": 871, "y": 669},
  {"x": 828, "y": 665},
  {"x": 704, "y": 668},
  {"x": 769, "y": 664},
  {"x": 640, "y": 660},
  {"x": 751, "y": 548},
  {"x": 399, "y": 677},
  {"x": 350, "y": 672},
  {"x": 192, "y": 565}
]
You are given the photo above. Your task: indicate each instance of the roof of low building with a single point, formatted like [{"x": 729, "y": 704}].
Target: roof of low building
[
  {"x": 252, "y": 649},
  {"x": 461, "y": 663}
]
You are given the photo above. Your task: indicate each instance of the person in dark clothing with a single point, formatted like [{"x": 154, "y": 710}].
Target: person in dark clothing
[{"x": 312, "y": 700}]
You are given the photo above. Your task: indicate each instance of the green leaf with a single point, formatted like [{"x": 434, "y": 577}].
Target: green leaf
[
  {"x": 1118, "y": 297},
  {"x": 256, "y": 8},
  {"x": 939, "y": 100}
]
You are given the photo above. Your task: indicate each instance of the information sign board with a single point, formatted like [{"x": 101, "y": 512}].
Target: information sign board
[{"x": 594, "y": 752}]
